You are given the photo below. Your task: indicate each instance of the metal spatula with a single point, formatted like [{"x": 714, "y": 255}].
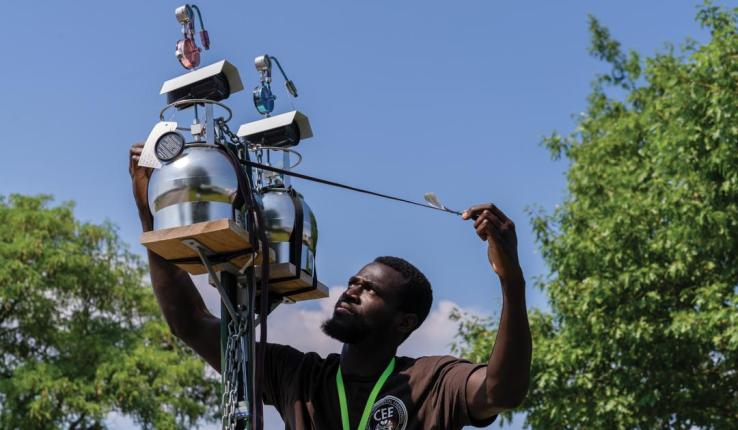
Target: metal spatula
[{"x": 433, "y": 200}]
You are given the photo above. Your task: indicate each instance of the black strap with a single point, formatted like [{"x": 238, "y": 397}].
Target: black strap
[
  {"x": 296, "y": 236},
  {"x": 296, "y": 243}
]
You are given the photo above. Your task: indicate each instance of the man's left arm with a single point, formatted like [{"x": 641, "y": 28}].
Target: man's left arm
[{"x": 503, "y": 384}]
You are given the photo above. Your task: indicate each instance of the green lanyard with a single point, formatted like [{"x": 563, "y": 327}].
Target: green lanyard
[{"x": 370, "y": 401}]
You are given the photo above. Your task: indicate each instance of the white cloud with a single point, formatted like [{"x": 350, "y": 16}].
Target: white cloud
[
  {"x": 434, "y": 337},
  {"x": 298, "y": 325}
]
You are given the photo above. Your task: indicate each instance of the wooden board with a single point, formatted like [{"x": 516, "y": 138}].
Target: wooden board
[
  {"x": 283, "y": 270},
  {"x": 222, "y": 236}
]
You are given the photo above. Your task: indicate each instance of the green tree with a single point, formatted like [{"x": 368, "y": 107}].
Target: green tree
[
  {"x": 80, "y": 332},
  {"x": 643, "y": 252}
]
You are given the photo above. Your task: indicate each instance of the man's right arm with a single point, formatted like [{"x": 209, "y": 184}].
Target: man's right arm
[{"x": 180, "y": 302}]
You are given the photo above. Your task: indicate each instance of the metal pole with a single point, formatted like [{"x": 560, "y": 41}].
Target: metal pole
[
  {"x": 247, "y": 302},
  {"x": 209, "y": 125},
  {"x": 286, "y": 166}
]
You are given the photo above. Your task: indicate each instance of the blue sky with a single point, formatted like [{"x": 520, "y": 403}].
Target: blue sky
[{"x": 404, "y": 98}]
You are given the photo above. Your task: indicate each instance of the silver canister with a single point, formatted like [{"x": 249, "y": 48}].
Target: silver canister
[
  {"x": 199, "y": 185},
  {"x": 279, "y": 211}
]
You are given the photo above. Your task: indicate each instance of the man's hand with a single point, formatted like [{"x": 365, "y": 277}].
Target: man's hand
[
  {"x": 140, "y": 181},
  {"x": 503, "y": 384},
  {"x": 502, "y": 243}
]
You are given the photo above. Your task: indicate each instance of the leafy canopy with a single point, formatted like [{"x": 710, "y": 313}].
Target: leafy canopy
[
  {"x": 643, "y": 252},
  {"x": 81, "y": 334}
]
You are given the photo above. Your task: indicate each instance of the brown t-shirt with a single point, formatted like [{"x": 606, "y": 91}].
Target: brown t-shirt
[{"x": 421, "y": 394}]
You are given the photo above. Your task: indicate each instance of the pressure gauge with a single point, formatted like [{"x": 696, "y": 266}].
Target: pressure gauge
[
  {"x": 263, "y": 99},
  {"x": 169, "y": 146},
  {"x": 187, "y": 53}
]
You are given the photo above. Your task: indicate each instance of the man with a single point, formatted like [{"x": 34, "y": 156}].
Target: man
[{"x": 366, "y": 385}]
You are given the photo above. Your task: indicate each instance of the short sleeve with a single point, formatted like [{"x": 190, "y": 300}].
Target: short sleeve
[
  {"x": 281, "y": 364},
  {"x": 449, "y": 393}
]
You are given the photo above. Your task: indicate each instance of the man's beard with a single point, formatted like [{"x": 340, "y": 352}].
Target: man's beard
[{"x": 345, "y": 328}]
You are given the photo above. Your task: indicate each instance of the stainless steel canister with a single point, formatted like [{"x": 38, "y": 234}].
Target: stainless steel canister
[
  {"x": 199, "y": 185},
  {"x": 279, "y": 211}
]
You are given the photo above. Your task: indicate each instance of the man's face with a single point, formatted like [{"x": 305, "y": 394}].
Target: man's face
[{"x": 369, "y": 304}]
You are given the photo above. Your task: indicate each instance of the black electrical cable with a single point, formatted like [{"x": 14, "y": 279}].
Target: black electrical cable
[
  {"x": 197, "y": 9},
  {"x": 246, "y": 189},
  {"x": 335, "y": 184}
]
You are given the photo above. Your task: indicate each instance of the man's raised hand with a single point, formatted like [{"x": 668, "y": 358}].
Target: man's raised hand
[
  {"x": 140, "y": 182},
  {"x": 492, "y": 225}
]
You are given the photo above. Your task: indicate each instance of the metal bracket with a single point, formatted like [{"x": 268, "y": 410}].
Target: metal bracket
[
  {"x": 240, "y": 273},
  {"x": 203, "y": 251},
  {"x": 209, "y": 125}
]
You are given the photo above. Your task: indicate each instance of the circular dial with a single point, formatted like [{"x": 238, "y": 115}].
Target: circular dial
[
  {"x": 188, "y": 53},
  {"x": 263, "y": 99},
  {"x": 169, "y": 146}
]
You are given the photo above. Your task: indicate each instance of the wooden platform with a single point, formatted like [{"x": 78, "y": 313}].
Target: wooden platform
[
  {"x": 225, "y": 237},
  {"x": 284, "y": 270},
  {"x": 222, "y": 236}
]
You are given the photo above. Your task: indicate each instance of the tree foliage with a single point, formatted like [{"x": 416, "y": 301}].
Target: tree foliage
[
  {"x": 80, "y": 332},
  {"x": 643, "y": 252}
]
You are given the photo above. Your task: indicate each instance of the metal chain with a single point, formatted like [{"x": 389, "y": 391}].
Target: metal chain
[
  {"x": 230, "y": 385},
  {"x": 260, "y": 173},
  {"x": 225, "y": 131},
  {"x": 236, "y": 141},
  {"x": 235, "y": 360}
]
